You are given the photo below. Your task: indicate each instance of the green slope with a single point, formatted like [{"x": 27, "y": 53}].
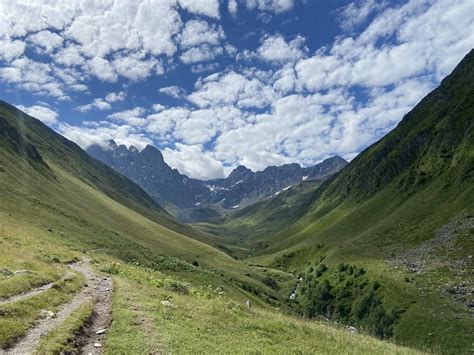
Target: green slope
[
  {"x": 403, "y": 212},
  {"x": 58, "y": 205},
  {"x": 244, "y": 231}
]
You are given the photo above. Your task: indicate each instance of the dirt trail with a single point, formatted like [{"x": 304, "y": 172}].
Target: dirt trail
[
  {"x": 98, "y": 290},
  {"x": 96, "y": 331}
]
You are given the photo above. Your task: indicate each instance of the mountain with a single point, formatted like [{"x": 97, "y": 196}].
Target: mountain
[
  {"x": 149, "y": 170},
  {"x": 243, "y": 186},
  {"x": 387, "y": 243}
]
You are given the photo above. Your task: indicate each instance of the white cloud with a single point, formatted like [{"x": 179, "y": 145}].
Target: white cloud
[
  {"x": 232, "y": 88},
  {"x": 99, "y": 132},
  {"x": 46, "y": 40},
  {"x": 198, "y": 32},
  {"x": 113, "y": 97},
  {"x": 204, "y": 67},
  {"x": 132, "y": 117},
  {"x": 173, "y": 91},
  {"x": 276, "y": 49},
  {"x": 422, "y": 45},
  {"x": 202, "y": 7},
  {"x": 158, "y": 107},
  {"x": 232, "y": 7},
  {"x": 99, "y": 104},
  {"x": 33, "y": 76},
  {"x": 69, "y": 55},
  {"x": 102, "y": 69},
  {"x": 356, "y": 13},
  {"x": 201, "y": 53},
  {"x": 136, "y": 69},
  {"x": 11, "y": 49},
  {"x": 43, "y": 113},
  {"x": 276, "y": 6},
  {"x": 193, "y": 161}
]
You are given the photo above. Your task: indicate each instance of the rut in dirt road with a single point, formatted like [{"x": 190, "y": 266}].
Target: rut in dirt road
[
  {"x": 94, "y": 334},
  {"x": 98, "y": 290}
]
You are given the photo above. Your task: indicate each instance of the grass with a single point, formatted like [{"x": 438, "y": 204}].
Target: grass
[
  {"x": 62, "y": 339},
  {"x": 205, "y": 321}
]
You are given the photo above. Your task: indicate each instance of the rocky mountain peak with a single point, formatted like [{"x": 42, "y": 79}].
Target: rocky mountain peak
[
  {"x": 239, "y": 173},
  {"x": 151, "y": 152}
]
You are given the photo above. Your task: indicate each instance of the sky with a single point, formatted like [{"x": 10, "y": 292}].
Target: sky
[{"x": 219, "y": 83}]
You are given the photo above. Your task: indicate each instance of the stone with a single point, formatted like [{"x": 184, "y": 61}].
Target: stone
[
  {"x": 101, "y": 331},
  {"x": 352, "y": 329},
  {"x": 97, "y": 345},
  {"x": 168, "y": 304}
]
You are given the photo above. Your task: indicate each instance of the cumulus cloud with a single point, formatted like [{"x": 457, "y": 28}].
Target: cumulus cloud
[
  {"x": 276, "y": 6},
  {"x": 99, "y": 132},
  {"x": 193, "y": 161},
  {"x": 232, "y": 88},
  {"x": 173, "y": 91},
  {"x": 198, "y": 32},
  {"x": 46, "y": 40},
  {"x": 200, "y": 41},
  {"x": 232, "y": 7},
  {"x": 43, "y": 113},
  {"x": 135, "y": 68},
  {"x": 33, "y": 76},
  {"x": 11, "y": 49},
  {"x": 113, "y": 97},
  {"x": 277, "y": 49},
  {"x": 107, "y": 40},
  {"x": 99, "y": 104},
  {"x": 356, "y": 13},
  {"x": 202, "y": 7},
  {"x": 421, "y": 45},
  {"x": 102, "y": 69},
  {"x": 132, "y": 117},
  {"x": 201, "y": 53}
]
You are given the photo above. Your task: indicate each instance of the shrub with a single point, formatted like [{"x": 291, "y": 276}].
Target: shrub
[{"x": 176, "y": 286}]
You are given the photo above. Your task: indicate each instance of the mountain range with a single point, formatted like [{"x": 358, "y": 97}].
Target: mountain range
[{"x": 179, "y": 192}]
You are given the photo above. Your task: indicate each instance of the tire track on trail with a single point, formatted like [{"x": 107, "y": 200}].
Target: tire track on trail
[
  {"x": 34, "y": 292},
  {"x": 99, "y": 291}
]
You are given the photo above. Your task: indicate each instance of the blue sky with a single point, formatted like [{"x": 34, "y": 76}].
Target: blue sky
[{"x": 218, "y": 83}]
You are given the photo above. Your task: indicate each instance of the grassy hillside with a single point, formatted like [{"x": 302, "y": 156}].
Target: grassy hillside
[
  {"x": 401, "y": 215},
  {"x": 58, "y": 206}
]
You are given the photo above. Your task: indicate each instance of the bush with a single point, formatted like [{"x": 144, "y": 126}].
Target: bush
[
  {"x": 176, "y": 286},
  {"x": 348, "y": 299},
  {"x": 111, "y": 269}
]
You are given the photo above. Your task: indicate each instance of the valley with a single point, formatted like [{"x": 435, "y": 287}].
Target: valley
[{"x": 123, "y": 254}]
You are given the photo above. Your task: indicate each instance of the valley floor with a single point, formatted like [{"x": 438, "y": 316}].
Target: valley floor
[{"x": 151, "y": 311}]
